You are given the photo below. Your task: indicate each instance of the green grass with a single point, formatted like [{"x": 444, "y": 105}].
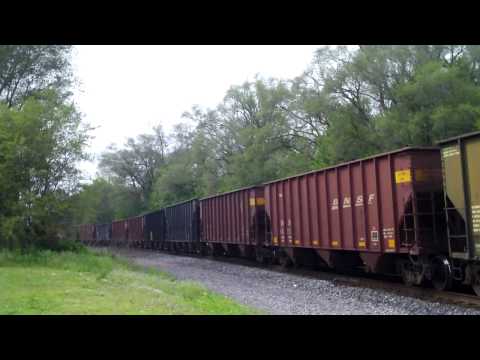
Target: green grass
[{"x": 45, "y": 282}]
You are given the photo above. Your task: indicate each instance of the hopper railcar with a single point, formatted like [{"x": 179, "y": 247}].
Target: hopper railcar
[
  {"x": 383, "y": 214},
  {"x": 119, "y": 232},
  {"x": 182, "y": 227},
  {"x": 135, "y": 236},
  {"x": 233, "y": 223},
  {"x": 154, "y": 229},
  {"x": 86, "y": 234},
  {"x": 413, "y": 212},
  {"x": 103, "y": 234},
  {"x": 461, "y": 175}
]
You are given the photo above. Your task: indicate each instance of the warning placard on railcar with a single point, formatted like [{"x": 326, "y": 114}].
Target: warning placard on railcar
[
  {"x": 450, "y": 151},
  {"x": 403, "y": 176}
]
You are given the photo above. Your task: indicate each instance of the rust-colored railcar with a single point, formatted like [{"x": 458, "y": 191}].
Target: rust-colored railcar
[
  {"x": 87, "y": 233},
  {"x": 362, "y": 212},
  {"x": 234, "y": 222},
  {"x": 135, "y": 227},
  {"x": 119, "y": 232}
]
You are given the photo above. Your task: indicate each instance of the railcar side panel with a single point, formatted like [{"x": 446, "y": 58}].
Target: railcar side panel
[
  {"x": 229, "y": 218},
  {"x": 348, "y": 225},
  {"x": 135, "y": 230},
  {"x": 87, "y": 233},
  {"x": 461, "y": 172},
  {"x": 154, "y": 226},
  {"x": 362, "y": 206},
  {"x": 358, "y": 207},
  {"x": 182, "y": 222},
  {"x": 325, "y": 215},
  {"x": 119, "y": 231},
  {"x": 372, "y": 205},
  {"x": 103, "y": 232}
]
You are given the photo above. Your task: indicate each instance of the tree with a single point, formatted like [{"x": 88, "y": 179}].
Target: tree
[
  {"x": 348, "y": 104},
  {"x": 353, "y": 103},
  {"x": 41, "y": 139},
  {"x": 175, "y": 182},
  {"x": 26, "y": 70},
  {"x": 134, "y": 166},
  {"x": 440, "y": 102},
  {"x": 247, "y": 139},
  {"x": 40, "y": 144},
  {"x": 103, "y": 201}
]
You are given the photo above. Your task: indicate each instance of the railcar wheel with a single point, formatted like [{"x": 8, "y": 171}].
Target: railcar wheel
[
  {"x": 441, "y": 273},
  {"x": 212, "y": 251},
  {"x": 285, "y": 261},
  {"x": 409, "y": 277},
  {"x": 476, "y": 284},
  {"x": 261, "y": 257},
  {"x": 476, "y": 288},
  {"x": 203, "y": 250}
]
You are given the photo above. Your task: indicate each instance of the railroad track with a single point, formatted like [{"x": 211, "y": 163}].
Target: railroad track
[
  {"x": 392, "y": 285},
  {"x": 461, "y": 297}
]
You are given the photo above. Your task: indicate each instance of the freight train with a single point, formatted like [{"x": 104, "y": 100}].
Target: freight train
[{"x": 413, "y": 212}]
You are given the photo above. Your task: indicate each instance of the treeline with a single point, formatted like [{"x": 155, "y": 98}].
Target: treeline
[
  {"x": 348, "y": 104},
  {"x": 41, "y": 140}
]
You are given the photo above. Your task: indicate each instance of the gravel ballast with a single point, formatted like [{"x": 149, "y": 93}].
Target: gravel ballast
[{"x": 280, "y": 293}]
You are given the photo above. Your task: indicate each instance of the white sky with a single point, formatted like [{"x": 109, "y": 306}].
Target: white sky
[{"x": 126, "y": 90}]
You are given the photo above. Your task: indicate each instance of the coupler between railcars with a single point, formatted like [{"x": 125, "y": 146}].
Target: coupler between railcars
[
  {"x": 264, "y": 254},
  {"x": 443, "y": 272},
  {"x": 467, "y": 273},
  {"x": 474, "y": 277},
  {"x": 282, "y": 258}
]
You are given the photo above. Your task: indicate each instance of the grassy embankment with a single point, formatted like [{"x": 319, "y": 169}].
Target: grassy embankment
[{"x": 84, "y": 282}]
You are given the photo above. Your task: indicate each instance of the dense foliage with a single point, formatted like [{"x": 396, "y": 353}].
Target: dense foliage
[
  {"x": 348, "y": 104},
  {"x": 41, "y": 140}
]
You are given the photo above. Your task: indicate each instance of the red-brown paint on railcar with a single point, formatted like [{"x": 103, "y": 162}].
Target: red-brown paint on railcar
[
  {"x": 236, "y": 217},
  {"x": 119, "y": 231},
  {"x": 135, "y": 227},
  {"x": 368, "y": 205},
  {"x": 86, "y": 233}
]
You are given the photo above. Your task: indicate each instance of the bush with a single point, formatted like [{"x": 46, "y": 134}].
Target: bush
[
  {"x": 66, "y": 245},
  {"x": 12, "y": 233},
  {"x": 83, "y": 261}
]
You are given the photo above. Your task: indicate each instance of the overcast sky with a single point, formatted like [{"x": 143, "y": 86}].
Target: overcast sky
[{"x": 126, "y": 90}]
